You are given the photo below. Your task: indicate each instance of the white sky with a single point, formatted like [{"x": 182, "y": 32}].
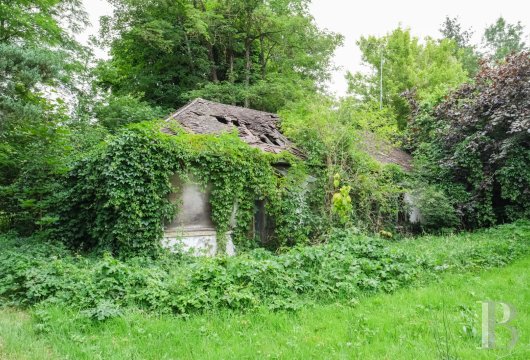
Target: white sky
[{"x": 354, "y": 19}]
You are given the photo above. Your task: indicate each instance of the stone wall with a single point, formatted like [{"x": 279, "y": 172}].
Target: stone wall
[
  {"x": 198, "y": 243},
  {"x": 192, "y": 229}
]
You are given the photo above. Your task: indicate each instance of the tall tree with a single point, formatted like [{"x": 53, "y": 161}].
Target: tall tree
[
  {"x": 502, "y": 38},
  {"x": 254, "y": 53},
  {"x": 465, "y": 51},
  {"x": 399, "y": 63},
  {"x": 39, "y": 58}
]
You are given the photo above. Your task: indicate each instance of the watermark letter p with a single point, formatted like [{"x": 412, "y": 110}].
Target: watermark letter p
[{"x": 489, "y": 323}]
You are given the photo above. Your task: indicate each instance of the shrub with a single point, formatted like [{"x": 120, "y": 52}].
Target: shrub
[
  {"x": 476, "y": 145},
  {"x": 343, "y": 269},
  {"x": 436, "y": 210},
  {"x": 34, "y": 273}
]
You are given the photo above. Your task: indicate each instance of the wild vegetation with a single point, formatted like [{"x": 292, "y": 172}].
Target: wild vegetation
[
  {"x": 239, "y": 50},
  {"x": 337, "y": 290},
  {"x": 475, "y": 144},
  {"x": 344, "y": 269},
  {"x": 86, "y": 163},
  {"x": 436, "y": 321}
]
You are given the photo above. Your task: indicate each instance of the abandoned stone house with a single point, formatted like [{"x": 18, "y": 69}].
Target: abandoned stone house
[{"x": 193, "y": 229}]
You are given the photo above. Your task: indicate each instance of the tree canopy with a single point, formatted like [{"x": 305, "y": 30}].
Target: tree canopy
[
  {"x": 399, "y": 63},
  {"x": 253, "y": 53},
  {"x": 39, "y": 59},
  {"x": 503, "y": 38},
  {"x": 466, "y": 52}
]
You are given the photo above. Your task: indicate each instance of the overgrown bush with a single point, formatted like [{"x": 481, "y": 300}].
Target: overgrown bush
[
  {"x": 333, "y": 137},
  {"x": 475, "y": 145},
  {"x": 117, "y": 197},
  {"x": 437, "y": 212},
  {"x": 291, "y": 209},
  {"x": 34, "y": 273},
  {"x": 348, "y": 266}
]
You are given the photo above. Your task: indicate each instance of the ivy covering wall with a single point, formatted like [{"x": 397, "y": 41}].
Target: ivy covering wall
[{"x": 117, "y": 197}]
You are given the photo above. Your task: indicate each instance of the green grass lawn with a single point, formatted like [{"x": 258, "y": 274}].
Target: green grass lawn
[{"x": 413, "y": 323}]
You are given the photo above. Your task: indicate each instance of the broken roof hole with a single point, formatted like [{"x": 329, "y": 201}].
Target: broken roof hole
[
  {"x": 216, "y": 117},
  {"x": 272, "y": 140},
  {"x": 221, "y": 119},
  {"x": 264, "y": 139}
]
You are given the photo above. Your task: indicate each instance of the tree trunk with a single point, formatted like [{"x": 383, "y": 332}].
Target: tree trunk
[
  {"x": 230, "y": 55},
  {"x": 231, "y": 75},
  {"x": 213, "y": 68},
  {"x": 248, "y": 66},
  {"x": 262, "y": 56},
  {"x": 188, "y": 50}
]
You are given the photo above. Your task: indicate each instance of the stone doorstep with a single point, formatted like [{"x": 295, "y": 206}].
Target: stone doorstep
[
  {"x": 202, "y": 240},
  {"x": 172, "y": 233}
]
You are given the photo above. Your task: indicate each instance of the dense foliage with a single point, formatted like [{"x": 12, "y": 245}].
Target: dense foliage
[
  {"x": 267, "y": 55},
  {"x": 39, "y": 60},
  {"x": 343, "y": 269},
  {"x": 253, "y": 53},
  {"x": 335, "y": 142},
  {"x": 117, "y": 197},
  {"x": 36, "y": 273},
  {"x": 399, "y": 62},
  {"x": 115, "y": 112},
  {"x": 86, "y": 167},
  {"x": 476, "y": 144}
]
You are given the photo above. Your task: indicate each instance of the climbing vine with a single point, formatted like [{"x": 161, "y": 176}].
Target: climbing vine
[{"x": 117, "y": 197}]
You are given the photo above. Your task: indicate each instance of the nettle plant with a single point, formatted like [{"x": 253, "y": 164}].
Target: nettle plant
[{"x": 117, "y": 197}]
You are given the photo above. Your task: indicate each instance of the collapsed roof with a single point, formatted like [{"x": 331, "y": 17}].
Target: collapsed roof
[
  {"x": 383, "y": 151},
  {"x": 260, "y": 129},
  {"x": 256, "y": 128}
]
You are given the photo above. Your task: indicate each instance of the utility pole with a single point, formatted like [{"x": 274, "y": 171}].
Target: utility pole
[{"x": 381, "y": 82}]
